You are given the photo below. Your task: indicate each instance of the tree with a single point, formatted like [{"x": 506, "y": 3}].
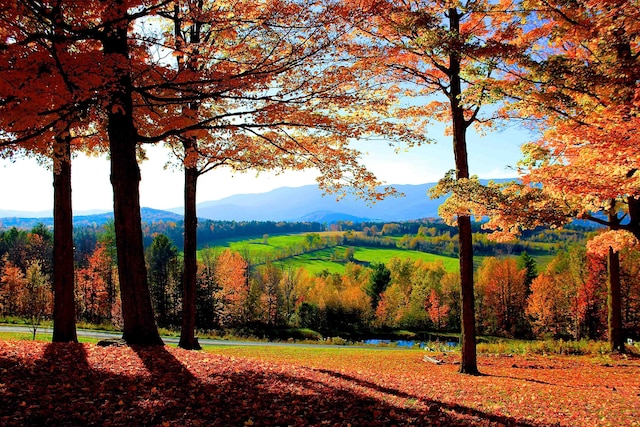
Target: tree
[
  {"x": 551, "y": 303},
  {"x": 573, "y": 79},
  {"x": 427, "y": 276},
  {"x": 95, "y": 298},
  {"x": 437, "y": 310},
  {"x": 63, "y": 267},
  {"x": 36, "y": 299},
  {"x": 451, "y": 49},
  {"x": 391, "y": 308},
  {"x": 270, "y": 278},
  {"x": 45, "y": 114},
  {"x": 232, "y": 276},
  {"x": 12, "y": 286},
  {"x": 290, "y": 280},
  {"x": 162, "y": 256},
  {"x": 137, "y": 311},
  {"x": 378, "y": 282},
  {"x": 402, "y": 272},
  {"x": 272, "y": 94},
  {"x": 504, "y": 291},
  {"x": 82, "y": 86},
  {"x": 631, "y": 291},
  {"x": 578, "y": 80},
  {"x": 592, "y": 293},
  {"x": 528, "y": 264}
]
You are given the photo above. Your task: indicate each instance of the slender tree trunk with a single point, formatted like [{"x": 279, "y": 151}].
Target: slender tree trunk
[
  {"x": 137, "y": 312},
  {"x": 64, "y": 306},
  {"x": 187, "y": 333},
  {"x": 468, "y": 363},
  {"x": 614, "y": 304},
  {"x": 189, "y": 280}
]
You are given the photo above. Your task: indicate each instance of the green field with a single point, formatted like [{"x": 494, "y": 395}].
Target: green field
[
  {"x": 323, "y": 259},
  {"x": 256, "y": 245},
  {"x": 318, "y": 261}
]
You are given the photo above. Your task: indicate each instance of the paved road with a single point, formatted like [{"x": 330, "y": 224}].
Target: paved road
[{"x": 203, "y": 341}]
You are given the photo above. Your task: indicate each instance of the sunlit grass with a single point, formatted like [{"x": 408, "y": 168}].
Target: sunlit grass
[
  {"x": 385, "y": 255},
  {"x": 41, "y": 335},
  {"x": 548, "y": 347}
]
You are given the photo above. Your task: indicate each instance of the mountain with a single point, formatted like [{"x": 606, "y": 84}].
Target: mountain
[
  {"x": 7, "y": 213},
  {"x": 293, "y": 204},
  {"x": 27, "y": 222},
  {"x": 307, "y": 203}
]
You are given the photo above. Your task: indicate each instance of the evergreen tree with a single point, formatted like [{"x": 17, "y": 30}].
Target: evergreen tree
[
  {"x": 161, "y": 258},
  {"x": 527, "y": 263},
  {"x": 380, "y": 279}
]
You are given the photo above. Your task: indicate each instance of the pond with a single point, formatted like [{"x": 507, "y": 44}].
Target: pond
[{"x": 411, "y": 343}]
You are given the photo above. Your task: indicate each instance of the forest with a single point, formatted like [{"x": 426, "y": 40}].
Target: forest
[
  {"x": 258, "y": 294},
  {"x": 281, "y": 85}
]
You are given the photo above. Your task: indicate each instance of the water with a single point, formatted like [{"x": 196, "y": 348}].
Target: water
[{"x": 410, "y": 343}]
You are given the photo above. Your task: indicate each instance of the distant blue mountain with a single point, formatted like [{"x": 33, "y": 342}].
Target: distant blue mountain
[
  {"x": 27, "y": 222},
  {"x": 330, "y": 217},
  {"x": 307, "y": 203}
]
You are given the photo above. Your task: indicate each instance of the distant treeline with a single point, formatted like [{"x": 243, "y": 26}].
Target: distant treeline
[
  {"x": 238, "y": 292},
  {"x": 426, "y": 235}
]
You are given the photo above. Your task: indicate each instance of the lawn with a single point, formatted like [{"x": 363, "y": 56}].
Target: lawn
[
  {"x": 320, "y": 260},
  {"x": 84, "y": 384},
  {"x": 385, "y": 255}
]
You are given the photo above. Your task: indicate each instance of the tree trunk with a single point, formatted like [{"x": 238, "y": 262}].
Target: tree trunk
[
  {"x": 468, "y": 363},
  {"x": 64, "y": 306},
  {"x": 187, "y": 333},
  {"x": 633, "y": 204},
  {"x": 614, "y": 304},
  {"x": 137, "y": 312}
]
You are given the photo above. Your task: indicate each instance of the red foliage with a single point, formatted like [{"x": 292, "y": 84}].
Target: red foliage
[
  {"x": 592, "y": 298},
  {"x": 83, "y": 384},
  {"x": 437, "y": 310}
]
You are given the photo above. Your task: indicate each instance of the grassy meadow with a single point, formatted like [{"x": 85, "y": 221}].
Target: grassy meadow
[
  {"x": 316, "y": 261},
  {"x": 329, "y": 259}
]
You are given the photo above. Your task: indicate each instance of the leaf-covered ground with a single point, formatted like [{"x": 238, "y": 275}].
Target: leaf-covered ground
[{"x": 83, "y": 384}]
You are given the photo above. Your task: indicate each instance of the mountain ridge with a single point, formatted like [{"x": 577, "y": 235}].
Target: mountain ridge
[
  {"x": 305, "y": 202},
  {"x": 148, "y": 215},
  {"x": 292, "y": 204}
]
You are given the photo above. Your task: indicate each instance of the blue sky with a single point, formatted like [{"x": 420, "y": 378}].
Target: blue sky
[{"x": 27, "y": 186}]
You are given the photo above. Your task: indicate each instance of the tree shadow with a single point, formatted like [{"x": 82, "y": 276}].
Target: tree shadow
[
  {"x": 62, "y": 388},
  {"x": 502, "y": 420}
]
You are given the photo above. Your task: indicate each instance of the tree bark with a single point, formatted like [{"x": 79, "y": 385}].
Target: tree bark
[
  {"x": 188, "y": 340},
  {"x": 468, "y": 363},
  {"x": 64, "y": 306},
  {"x": 137, "y": 312},
  {"x": 614, "y": 304}
]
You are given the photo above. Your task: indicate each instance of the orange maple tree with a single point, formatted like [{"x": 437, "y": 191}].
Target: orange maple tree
[
  {"x": 501, "y": 284},
  {"x": 45, "y": 114},
  {"x": 574, "y": 79},
  {"x": 273, "y": 93},
  {"x": 578, "y": 82},
  {"x": 445, "y": 53}
]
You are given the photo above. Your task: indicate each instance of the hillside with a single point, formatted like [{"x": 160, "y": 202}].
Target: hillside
[
  {"x": 308, "y": 203},
  {"x": 292, "y": 204},
  {"x": 148, "y": 215}
]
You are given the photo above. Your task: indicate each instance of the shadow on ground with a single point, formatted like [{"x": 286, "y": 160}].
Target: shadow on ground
[{"x": 62, "y": 386}]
